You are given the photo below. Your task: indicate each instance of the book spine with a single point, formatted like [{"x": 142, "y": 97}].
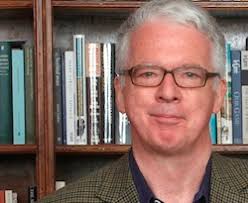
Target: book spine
[
  {"x": 79, "y": 49},
  {"x": 32, "y": 194},
  {"x": 122, "y": 130},
  {"x": 93, "y": 74},
  {"x": 8, "y": 196},
  {"x": 2, "y": 196},
  {"x": 218, "y": 121},
  {"x": 236, "y": 97},
  {"x": 18, "y": 96},
  {"x": 112, "y": 93},
  {"x": 63, "y": 79},
  {"x": 107, "y": 88},
  {"x": 59, "y": 184},
  {"x": 14, "y": 197},
  {"x": 29, "y": 95},
  {"x": 244, "y": 88},
  {"x": 70, "y": 97},
  {"x": 226, "y": 110},
  {"x": 213, "y": 128},
  {"x": 58, "y": 96},
  {"x": 108, "y": 98},
  {"x": 6, "y": 96}
]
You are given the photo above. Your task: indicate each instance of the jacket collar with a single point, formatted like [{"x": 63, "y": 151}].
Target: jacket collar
[
  {"x": 229, "y": 180},
  {"x": 117, "y": 185}
]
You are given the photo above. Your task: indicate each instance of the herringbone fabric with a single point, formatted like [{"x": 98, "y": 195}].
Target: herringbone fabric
[{"x": 113, "y": 184}]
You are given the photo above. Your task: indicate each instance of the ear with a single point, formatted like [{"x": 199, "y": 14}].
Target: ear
[
  {"x": 220, "y": 95},
  {"x": 119, "y": 96}
]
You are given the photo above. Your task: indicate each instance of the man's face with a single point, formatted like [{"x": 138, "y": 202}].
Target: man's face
[{"x": 169, "y": 118}]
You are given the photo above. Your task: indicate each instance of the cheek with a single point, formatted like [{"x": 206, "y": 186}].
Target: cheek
[
  {"x": 199, "y": 107},
  {"x": 137, "y": 99}
]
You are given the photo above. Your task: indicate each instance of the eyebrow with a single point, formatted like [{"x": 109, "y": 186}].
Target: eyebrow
[{"x": 186, "y": 65}]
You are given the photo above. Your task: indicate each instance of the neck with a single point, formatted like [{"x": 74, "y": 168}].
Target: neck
[{"x": 174, "y": 175}]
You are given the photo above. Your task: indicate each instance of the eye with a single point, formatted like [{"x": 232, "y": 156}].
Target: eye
[
  {"x": 191, "y": 75},
  {"x": 147, "y": 74}
]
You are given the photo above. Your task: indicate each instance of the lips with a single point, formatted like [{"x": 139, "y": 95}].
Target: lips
[{"x": 167, "y": 119}]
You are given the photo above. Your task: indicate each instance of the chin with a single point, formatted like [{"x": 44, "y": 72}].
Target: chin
[{"x": 166, "y": 143}]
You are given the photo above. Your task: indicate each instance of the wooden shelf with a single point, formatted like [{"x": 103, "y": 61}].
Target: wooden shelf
[
  {"x": 92, "y": 149},
  {"x": 231, "y": 149},
  {"x": 16, "y": 4},
  {"x": 98, "y": 4},
  {"x": 121, "y": 149},
  {"x": 18, "y": 149},
  {"x": 212, "y": 5}
]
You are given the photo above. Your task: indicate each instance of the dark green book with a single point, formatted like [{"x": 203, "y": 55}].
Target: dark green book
[
  {"x": 29, "y": 95},
  {"x": 6, "y": 129}
]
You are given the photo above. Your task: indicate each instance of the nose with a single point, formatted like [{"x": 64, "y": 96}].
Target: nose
[{"x": 168, "y": 91}]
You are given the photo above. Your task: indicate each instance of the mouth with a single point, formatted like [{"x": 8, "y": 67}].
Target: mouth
[{"x": 167, "y": 119}]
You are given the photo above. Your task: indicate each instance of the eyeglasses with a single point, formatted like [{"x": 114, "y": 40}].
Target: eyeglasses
[{"x": 152, "y": 76}]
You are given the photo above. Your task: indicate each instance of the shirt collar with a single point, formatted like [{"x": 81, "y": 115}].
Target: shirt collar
[
  {"x": 145, "y": 194},
  {"x": 144, "y": 191}
]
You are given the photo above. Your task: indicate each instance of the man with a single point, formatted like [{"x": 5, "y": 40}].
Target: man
[{"x": 170, "y": 62}]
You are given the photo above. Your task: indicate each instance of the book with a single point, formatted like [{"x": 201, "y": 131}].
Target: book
[
  {"x": 236, "y": 97},
  {"x": 226, "y": 110},
  {"x": 213, "y": 128},
  {"x": 58, "y": 105},
  {"x": 14, "y": 197},
  {"x": 244, "y": 94},
  {"x": 70, "y": 98},
  {"x": 79, "y": 50},
  {"x": 8, "y": 196},
  {"x": 18, "y": 96},
  {"x": 218, "y": 123},
  {"x": 6, "y": 129},
  {"x": 63, "y": 81},
  {"x": 32, "y": 194},
  {"x": 93, "y": 85},
  {"x": 29, "y": 95},
  {"x": 122, "y": 129},
  {"x": 2, "y": 196},
  {"x": 108, "y": 103},
  {"x": 59, "y": 184}
]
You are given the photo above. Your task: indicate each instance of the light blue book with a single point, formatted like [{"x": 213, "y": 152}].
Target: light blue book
[
  {"x": 18, "y": 96},
  {"x": 213, "y": 128}
]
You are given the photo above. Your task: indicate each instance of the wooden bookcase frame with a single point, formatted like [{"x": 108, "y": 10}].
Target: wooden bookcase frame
[{"x": 45, "y": 149}]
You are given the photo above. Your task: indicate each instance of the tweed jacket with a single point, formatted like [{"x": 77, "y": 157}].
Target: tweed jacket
[{"x": 113, "y": 183}]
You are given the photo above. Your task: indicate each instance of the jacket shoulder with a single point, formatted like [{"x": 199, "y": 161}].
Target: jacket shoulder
[
  {"x": 86, "y": 188},
  {"x": 230, "y": 171}
]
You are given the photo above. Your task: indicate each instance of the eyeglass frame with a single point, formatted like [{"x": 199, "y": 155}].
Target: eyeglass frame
[{"x": 207, "y": 75}]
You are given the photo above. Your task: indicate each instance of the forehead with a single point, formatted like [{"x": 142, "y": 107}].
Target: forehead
[{"x": 169, "y": 43}]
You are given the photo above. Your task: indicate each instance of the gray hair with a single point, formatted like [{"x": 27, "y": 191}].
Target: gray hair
[{"x": 180, "y": 11}]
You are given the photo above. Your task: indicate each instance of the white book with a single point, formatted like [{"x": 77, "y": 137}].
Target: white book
[
  {"x": 108, "y": 111},
  {"x": 70, "y": 97},
  {"x": 14, "y": 197},
  {"x": 8, "y": 196},
  {"x": 123, "y": 131},
  {"x": 244, "y": 89},
  {"x": 226, "y": 110},
  {"x": 59, "y": 184}
]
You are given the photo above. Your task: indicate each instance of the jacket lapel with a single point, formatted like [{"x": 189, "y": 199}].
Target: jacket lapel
[
  {"x": 229, "y": 180},
  {"x": 117, "y": 184}
]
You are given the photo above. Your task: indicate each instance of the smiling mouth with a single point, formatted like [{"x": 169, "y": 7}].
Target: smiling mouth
[{"x": 167, "y": 119}]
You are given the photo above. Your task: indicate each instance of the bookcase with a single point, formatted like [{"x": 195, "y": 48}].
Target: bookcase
[{"x": 48, "y": 24}]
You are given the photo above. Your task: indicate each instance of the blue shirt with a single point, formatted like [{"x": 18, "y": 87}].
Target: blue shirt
[{"x": 145, "y": 194}]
